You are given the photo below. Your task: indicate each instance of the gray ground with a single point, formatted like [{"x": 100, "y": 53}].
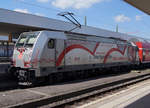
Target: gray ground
[{"x": 25, "y": 95}]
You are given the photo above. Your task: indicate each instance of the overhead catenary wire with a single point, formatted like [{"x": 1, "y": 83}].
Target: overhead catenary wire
[
  {"x": 80, "y": 16},
  {"x": 46, "y": 8}
]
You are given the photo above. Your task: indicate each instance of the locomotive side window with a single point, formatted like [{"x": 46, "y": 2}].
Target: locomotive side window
[{"x": 51, "y": 43}]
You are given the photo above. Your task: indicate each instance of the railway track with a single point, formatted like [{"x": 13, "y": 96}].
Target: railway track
[
  {"x": 65, "y": 98},
  {"x": 98, "y": 94},
  {"x": 7, "y": 82}
]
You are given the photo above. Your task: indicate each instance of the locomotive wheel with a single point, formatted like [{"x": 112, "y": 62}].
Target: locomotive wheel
[{"x": 59, "y": 77}]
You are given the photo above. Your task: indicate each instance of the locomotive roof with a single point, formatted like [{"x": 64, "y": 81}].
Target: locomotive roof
[
  {"x": 89, "y": 37},
  {"x": 68, "y": 35}
]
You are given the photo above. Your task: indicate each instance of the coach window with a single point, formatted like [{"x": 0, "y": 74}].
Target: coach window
[{"x": 51, "y": 43}]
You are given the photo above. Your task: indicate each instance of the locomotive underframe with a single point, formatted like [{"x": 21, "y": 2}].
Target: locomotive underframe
[{"x": 32, "y": 76}]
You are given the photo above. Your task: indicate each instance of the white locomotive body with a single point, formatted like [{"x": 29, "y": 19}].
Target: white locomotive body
[{"x": 39, "y": 54}]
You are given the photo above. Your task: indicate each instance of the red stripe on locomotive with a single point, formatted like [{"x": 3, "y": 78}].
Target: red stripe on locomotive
[
  {"x": 65, "y": 51},
  {"x": 113, "y": 50}
]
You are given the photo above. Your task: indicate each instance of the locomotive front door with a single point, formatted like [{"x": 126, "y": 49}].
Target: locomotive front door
[{"x": 48, "y": 55}]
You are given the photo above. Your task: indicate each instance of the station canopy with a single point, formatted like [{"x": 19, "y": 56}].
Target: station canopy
[
  {"x": 143, "y": 5},
  {"x": 12, "y": 22}
]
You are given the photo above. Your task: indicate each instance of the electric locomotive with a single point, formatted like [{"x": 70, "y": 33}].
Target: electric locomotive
[{"x": 41, "y": 53}]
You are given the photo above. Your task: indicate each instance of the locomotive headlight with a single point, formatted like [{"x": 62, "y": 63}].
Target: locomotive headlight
[{"x": 22, "y": 73}]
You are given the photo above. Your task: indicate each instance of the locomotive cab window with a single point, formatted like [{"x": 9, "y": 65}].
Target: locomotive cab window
[
  {"x": 51, "y": 43},
  {"x": 27, "y": 39}
]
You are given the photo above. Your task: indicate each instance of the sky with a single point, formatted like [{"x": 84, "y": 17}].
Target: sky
[{"x": 105, "y": 14}]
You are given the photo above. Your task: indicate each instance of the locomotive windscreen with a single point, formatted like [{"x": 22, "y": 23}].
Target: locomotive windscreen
[{"x": 27, "y": 39}]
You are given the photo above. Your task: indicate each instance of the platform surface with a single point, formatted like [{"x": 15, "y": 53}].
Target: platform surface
[{"x": 136, "y": 96}]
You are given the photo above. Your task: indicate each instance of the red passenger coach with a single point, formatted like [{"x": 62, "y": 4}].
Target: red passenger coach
[
  {"x": 139, "y": 44},
  {"x": 144, "y": 49},
  {"x": 146, "y": 52}
]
